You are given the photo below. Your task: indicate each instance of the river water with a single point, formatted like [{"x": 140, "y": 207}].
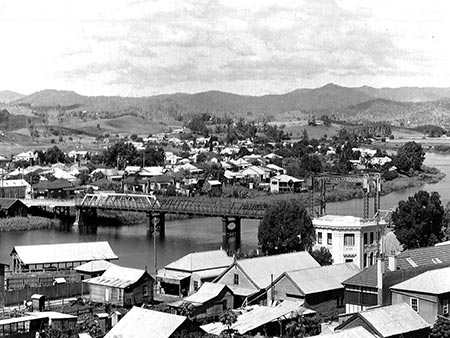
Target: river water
[{"x": 134, "y": 249}]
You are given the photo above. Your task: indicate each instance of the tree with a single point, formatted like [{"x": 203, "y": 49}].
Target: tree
[
  {"x": 409, "y": 157},
  {"x": 54, "y": 155},
  {"x": 303, "y": 327},
  {"x": 322, "y": 256},
  {"x": 441, "y": 328},
  {"x": 154, "y": 157},
  {"x": 286, "y": 227},
  {"x": 419, "y": 220},
  {"x": 228, "y": 318},
  {"x": 119, "y": 154}
]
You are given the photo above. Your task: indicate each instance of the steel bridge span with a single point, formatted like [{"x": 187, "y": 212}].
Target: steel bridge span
[{"x": 231, "y": 212}]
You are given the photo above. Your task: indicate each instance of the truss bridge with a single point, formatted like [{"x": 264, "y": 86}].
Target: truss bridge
[{"x": 230, "y": 211}]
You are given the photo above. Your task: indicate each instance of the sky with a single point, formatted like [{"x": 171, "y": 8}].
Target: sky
[{"x": 143, "y": 48}]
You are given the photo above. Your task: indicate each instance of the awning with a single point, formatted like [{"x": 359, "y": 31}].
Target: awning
[{"x": 172, "y": 277}]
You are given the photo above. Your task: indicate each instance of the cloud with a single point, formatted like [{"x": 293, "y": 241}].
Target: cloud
[{"x": 242, "y": 46}]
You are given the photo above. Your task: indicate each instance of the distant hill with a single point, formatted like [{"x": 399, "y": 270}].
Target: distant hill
[
  {"x": 409, "y": 104},
  {"x": 7, "y": 96},
  {"x": 407, "y": 94}
]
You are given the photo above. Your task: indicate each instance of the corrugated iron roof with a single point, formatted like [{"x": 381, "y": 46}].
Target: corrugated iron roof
[
  {"x": 203, "y": 260},
  {"x": 258, "y": 316},
  {"x": 143, "y": 323},
  {"x": 117, "y": 276},
  {"x": 94, "y": 266},
  {"x": 206, "y": 292},
  {"x": 323, "y": 278},
  {"x": 261, "y": 270},
  {"x": 434, "y": 282},
  {"x": 6, "y": 203},
  {"x": 391, "y": 320},
  {"x": 212, "y": 273},
  {"x": 66, "y": 252},
  {"x": 355, "y": 332}
]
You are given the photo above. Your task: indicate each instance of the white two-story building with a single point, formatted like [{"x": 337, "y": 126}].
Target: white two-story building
[{"x": 349, "y": 238}]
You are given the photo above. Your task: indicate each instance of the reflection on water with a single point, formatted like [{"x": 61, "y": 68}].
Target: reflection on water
[{"x": 133, "y": 247}]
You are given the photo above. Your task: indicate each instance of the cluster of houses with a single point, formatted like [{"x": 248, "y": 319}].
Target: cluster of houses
[{"x": 372, "y": 289}]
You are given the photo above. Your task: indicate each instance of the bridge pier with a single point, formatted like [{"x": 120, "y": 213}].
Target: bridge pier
[
  {"x": 81, "y": 219},
  {"x": 157, "y": 222},
  {"x": 231, "y": 227}
]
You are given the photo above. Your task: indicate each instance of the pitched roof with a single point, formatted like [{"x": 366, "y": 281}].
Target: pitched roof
[
  {"x": 261, "y": 270},
  {"x": 117, "y": 276},
  {"x": 143, "y": 323},
  {"x": 206, "y": 292},
  {"x": 60, "y": 183},
  {"x": 6, "y": 203},
  {"x": 434, "y": 282},
  {"x": 424, "y": 256},
  {"x": 259, "y": 316},
  {"x": 323, "y": 278},
  {"x": 203, "y": 260},
  {"x": 390, "y": 320},
  {"x": 367, "y": 277},
  {"x": 355, "y": 332},
  {"x": 285, "y": 178},
  {"x": 94, "y": 266},
  {"x": 66, "y": 252}
]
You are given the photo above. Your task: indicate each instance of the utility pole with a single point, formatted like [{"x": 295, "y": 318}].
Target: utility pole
[{"x": 155, "y": 222}]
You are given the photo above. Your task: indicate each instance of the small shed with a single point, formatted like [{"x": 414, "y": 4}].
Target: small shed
[
  {"x": 121, "y": 286},
  {"x": 38, "y": 302},
  {"x": 213, "y": 188},
  {"x": 11, "y": 207}
]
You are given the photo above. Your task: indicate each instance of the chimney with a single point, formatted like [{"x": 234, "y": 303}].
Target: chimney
[
  {"x": 380, "y": 271},
  {"x": 392, "y": 262}
]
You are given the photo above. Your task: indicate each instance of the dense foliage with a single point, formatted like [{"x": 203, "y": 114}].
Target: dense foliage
[
  {"x": 419, "y": 220},
  {"x": 441, "y": 328},
  {"x": 286, "y": 227},
  {"x": 409, "y": 157},
  {"x": 322, "y": 256}
]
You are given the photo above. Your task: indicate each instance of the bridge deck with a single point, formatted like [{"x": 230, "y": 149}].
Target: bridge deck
[
  {"x": 40, "y": 202},
  {"x": 217, "y": 207}
]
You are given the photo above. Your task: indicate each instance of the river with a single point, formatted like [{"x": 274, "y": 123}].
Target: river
[{"x": 134, "y": 249}]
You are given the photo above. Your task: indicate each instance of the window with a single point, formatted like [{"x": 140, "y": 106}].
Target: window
[
  {"x": 372, "y": 239},
  {"x": 349, "y": 260},
  {"x": 145, "y": 291},
  {"x": 195, "y": 285},
  {"x": 349, "y": 239},
  {"x": 236, "y": 279},
  {"x": 365, "y": 260},
  {"x": 415, "y": 304},
  {"x": 371, "y": 261},
  {"x": 365, "y": 238},
  {"x": 319, "y": 238},
  {"x": 329, "y": 239},
  {"x": 445, "y": 307}
]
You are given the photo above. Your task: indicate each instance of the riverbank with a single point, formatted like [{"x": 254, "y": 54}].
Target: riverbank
[{"x": 27, "y": 223}]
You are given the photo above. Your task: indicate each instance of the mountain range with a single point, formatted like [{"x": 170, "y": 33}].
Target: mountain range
[{"x": 358, "y": 103}]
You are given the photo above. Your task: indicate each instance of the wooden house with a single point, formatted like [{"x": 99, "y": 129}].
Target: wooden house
[
  {"x": 209, "y": 302},
  {"x": 248, "y": 278},
  {"x": 428, "y": 294},
  {"x": 394, "y": 321},
  {"x": 186, "y": 275},
  {"x": 319, "y": 288},
  {"x": 121, "y": 286}
]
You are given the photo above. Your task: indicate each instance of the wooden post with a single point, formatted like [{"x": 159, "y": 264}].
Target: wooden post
[{"x": 225, "y": 233}]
